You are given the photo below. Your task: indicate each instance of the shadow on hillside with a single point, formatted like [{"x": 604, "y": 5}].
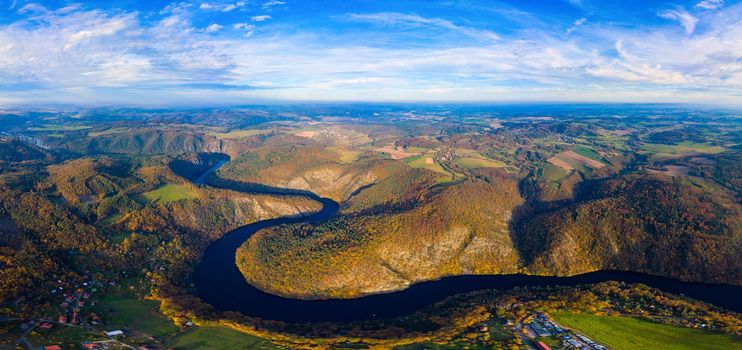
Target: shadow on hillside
[
  {"x": 196, "y": 164},
  {"x": 529, "y": 238}
]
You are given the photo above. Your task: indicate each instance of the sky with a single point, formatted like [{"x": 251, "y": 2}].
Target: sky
[{"x": 214, "y": 52}]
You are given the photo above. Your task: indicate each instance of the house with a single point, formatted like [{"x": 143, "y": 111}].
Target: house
[
  {"x": 114, "y": 333},
  {"x": 542, "y": 346},
  {"x": 89, "y": 345},
  {"x": 46, "y": 325},
  {"x": 52, "y": 347}
]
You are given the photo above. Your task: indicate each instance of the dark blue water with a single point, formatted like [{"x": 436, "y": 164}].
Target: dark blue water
[{"x": 220, "y": 283}]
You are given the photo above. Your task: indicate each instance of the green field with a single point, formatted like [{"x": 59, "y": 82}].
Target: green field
[
  {"x": 474, "y": 162},
  {"x": 620, "y": 333},
  {"x": 218, "y": 338},
  {"x": 682, "y": 148},
  {"x": 552, "y": 172},
  {"x": 59, "y": 127},
  {"x": 167, "y": 193},
  {"x": 236, "y": 134},
  {"x": 426, "y": 162},
  {"x": 416, "y": 149},
  {"x": 434, "y": 346},
  {"x": 107, "y": 131},
  {"x": 588, "y": 152},
  {"x": 345, "y": 155},
  {"x": 135, "y": 316},
  {"x": 425, "y": 345}
]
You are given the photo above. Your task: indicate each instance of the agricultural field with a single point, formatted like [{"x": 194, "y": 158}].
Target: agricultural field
[
  {"x": 60, "y": 127},
  {"x": 552, "y": 172},
  {"x": 107, "y": 132},
  {"x": 135, "y": 316},
  {"x": 238, "y": 134},
  {"x": 395, "y": 152},
  {"x": 588, "y": 152},
  {"x": 476, "y": 162},
  {"x": 629, "y": 333},
  {"x": 681, "y": 149},
  {"x": 345, "y": 155},
  {"x": 671, "y": 170},
  {"x": 167, "y": 193},
  {"x": 203, "y": 338},
  {"x": 581, "y": 158},
  {"x": 426, "y": 162}
]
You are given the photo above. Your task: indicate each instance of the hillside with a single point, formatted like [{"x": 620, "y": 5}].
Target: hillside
[
  {"x": 14, "y": 151},
  {"x": 407, "y": 229},
  {"x": 140, "y": 141},
  {"x": 86, "y": 178},
  {"x": 317, "y": 169},
  {"x": 657, "y": 225},
  {"x": 421, "y": 233},
  {"x": 214, "y": 212},
  {"x": 147, "y": 194},
  {"x": 104, "y": 221}
]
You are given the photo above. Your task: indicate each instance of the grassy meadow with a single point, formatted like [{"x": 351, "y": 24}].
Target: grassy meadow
[
  {"x": 203, "y": 338},
  {"x": 60, "y": 127},
  {"x": 238, "y": 134},
  {"x": 135, "y": 315},
  {"x": 629, "y": 333},
  {"x": 426, "y": 162},
  {"x": 476, "y": 162},
  {"x": 167, "y": 193},
  {"x": 683, "y": 148}
]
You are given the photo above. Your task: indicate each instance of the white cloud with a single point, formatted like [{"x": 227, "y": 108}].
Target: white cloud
[
  {"x": 710, "y": 4},
  {"x": 236, "y": 5},
  {"x": 394, "y": 18},
  {"x": 72, "y": 55},
  {"x": 261, "y": 18},
  {"x": 105, "y": 27},
  {"x": 577, "y": 23},
  {"x": 33, "y": 8},
  {"x": 248, "y": 28},
  {"x": 242, "y": 26},
  {"x": 271, "y": 3},
  {"x": 687, "y": 20},
  {"x": 206, "y": 6},
  {"x": 213, "y": 28}
]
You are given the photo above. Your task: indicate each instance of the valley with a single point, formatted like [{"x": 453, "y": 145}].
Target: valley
[{"x": 303, "y": 221}]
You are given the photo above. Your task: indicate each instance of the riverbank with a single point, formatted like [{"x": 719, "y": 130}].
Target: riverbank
[{"x": 220, "y": 283}]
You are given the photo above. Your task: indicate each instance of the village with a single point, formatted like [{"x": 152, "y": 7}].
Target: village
[
  {"x": 538, "y": 327},
  {"x": 76, "y": 319},
  {"x": 537, "y": 331}
]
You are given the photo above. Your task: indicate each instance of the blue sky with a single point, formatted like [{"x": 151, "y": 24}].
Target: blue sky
[{"x": 214, "y": 52}]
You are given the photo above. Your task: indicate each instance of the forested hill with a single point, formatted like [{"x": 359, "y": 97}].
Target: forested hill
[
  {"x": 658, "y": 225},
  {"x": 406, "y": 229},
  {"x": 393, "y": 235}
]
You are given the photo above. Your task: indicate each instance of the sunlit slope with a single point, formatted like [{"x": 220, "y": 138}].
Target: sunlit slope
[
  {"x": 324, "y": 171},
  {"x": 388, "y": 238}
]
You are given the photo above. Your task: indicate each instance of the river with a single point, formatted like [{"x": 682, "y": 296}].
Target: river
[{"x": 219, "y": 282}]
